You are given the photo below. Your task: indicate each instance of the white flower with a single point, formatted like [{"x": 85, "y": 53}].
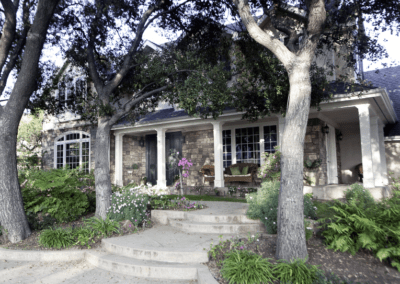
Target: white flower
[
  {"x": 258, "y": 240},
  {"x": 309, "y": 228},
  {"x": 266, "y": 218},
  {"x": 274, "y": 223}
]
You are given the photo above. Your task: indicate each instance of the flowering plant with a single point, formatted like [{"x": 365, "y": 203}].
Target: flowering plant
[
  {"x": 271, "y": 169},
  {"x": 183, "y": 165}
]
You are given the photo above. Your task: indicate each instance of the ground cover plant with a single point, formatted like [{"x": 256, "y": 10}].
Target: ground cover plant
[{"x": 263, "y": 205}]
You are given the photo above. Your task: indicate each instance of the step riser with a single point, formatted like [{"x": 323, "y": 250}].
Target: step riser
[
  {"x": 222, "y": 229},
  {"x": 164, "y": 256},
  {"x": 234, "y": 219},
  {"x": 143, "y": 271}
]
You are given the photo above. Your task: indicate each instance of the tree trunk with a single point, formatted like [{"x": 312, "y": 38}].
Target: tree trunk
[
  {"x": 291, "y": 243},
  {"x": 102, "y": 168},
  {"x": 12, "y": 214}
]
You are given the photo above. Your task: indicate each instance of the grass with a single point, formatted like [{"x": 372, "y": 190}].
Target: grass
[{"x": 207, "y": 198}]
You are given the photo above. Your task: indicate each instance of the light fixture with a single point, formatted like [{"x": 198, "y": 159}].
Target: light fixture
[
  {"x": 325, "y": 129},
  {"x": 339, "y": 136},
  {"x": 141, "y": 142}
]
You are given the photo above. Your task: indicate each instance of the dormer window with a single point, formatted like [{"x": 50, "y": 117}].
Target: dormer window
[
  {"x": 72, "y": 149},
  {"x": 69, "y": 89}
]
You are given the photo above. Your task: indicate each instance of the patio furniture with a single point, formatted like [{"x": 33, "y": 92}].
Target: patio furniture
[
  {"x": 209, "y": 173},
  {"x": 251, "y": 174}
]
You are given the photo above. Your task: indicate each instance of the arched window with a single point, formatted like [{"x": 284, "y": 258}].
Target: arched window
[{"x": 72, "y": 149}]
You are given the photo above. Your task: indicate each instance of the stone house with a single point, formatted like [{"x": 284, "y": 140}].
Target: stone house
[{"x": 347, "y": 131}]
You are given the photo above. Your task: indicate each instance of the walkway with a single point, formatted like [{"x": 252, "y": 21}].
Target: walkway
[{"x": 172, "y": 252}]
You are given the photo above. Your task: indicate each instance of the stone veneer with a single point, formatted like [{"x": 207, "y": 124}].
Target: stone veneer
[
  {"x": 49, "y": 139},
  {"x": 198, "y": 147},
  {"x": 315, "y": 148},
  {"x": 132, "y": 154}
]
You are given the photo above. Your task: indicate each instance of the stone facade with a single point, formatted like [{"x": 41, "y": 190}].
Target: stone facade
[
  {"x": 315, "y": 149},
  {"x": 49, "y": 139},
  {"x": 198, "y": 147}
]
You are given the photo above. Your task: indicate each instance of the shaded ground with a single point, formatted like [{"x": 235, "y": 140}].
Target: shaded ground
[{"x": 360, "y": 268}]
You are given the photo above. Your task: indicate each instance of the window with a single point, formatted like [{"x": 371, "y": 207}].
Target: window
[
  {"x": 247, "y": 145},
  {"x": 270, "y": 138},
  {"x": 72, "y": 149},
  {"x": 227, "y": 148},
  {"x": 70, "y": 88}
]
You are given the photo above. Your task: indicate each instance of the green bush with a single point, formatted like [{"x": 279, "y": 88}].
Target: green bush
[
  {"x": 57, "y": 238},
  {"x": 296, "y": 272},
  {"x": 245, "y": 267},
  {"x": 310, "y": 211},
  {"x": 376, "y": 228},
  {"x": 360, "y": 196},
  {"x": 129, "y": 205},
  {"x": 103, "y": 227},
  {"x": 57, "y": 192},
  {"x": 263, "y": 205}
]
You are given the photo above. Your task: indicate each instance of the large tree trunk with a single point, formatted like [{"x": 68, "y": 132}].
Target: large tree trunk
[
  {"x": 102, "y": 168},
  {"x": 291, "y": 242},
  {"x": 12, "y": 213}
]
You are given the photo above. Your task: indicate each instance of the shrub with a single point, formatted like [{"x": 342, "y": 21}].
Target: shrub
[
  {"x": 309, "y": 207},
  {"x": 375, "y": 227},
  {"x": 129, "y": 205},
  {"x": 245, "y": 267},
  {"x": 360, "y": 196},
  {"x": 271, "y": 169},
  {"x": 57, "y": 192},
  {"x": 263, "y": 205},
  {"x": 295, "y": 272},
  {"x": 57, "y": 238},
  {"x": 103, "y": 227}
]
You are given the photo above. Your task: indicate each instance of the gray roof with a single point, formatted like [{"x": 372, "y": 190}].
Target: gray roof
[{"x": 388, "y": 78}]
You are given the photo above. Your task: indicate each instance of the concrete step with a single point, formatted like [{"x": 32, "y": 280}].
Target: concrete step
[
  {"x": 143, "y": 268},
  {"x": 213, "y": 228},
  {"x": 154, "y": 254},
  {"x": 234, "y": 219}
]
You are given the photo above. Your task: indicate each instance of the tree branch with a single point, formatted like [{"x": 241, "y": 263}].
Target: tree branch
[
  {"x": 128, "y": 107},
  {"x": 263, "y": 37},
  {"x": 8, "y": 35}
]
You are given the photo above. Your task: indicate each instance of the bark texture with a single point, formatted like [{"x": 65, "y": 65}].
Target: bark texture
[
  {"x": 291, "y": 243},
  {"x": 102, "y": 168},
  {"x": 12, "y": 214}
]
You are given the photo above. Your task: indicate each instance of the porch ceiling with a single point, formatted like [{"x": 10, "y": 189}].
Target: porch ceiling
[{"x": 343, "y": 116}]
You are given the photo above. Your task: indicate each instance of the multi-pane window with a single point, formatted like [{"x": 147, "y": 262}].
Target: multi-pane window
[
  {"x": 227, "y": 148},
  {"x": 69, "y": 89},
  {"x": 270, "y": 138},
  {"x": 73, "y": 150},
  {"x": 247, "y": 145}
]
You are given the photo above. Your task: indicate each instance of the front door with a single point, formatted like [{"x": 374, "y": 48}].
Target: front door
[
  {"x": 151, "y": 158},
  {"x": 173, "y": 141}
]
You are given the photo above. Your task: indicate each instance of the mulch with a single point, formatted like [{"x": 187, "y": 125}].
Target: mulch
[{"x": 363, "y": 267}]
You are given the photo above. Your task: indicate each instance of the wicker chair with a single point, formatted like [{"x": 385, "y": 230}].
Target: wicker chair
[
  {"x": 209, "y": 173},
  {"x": 252, "y": 173}
]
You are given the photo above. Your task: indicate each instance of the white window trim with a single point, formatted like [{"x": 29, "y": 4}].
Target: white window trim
[
  {"x": 260, "y": 125},
  {"x": 64, "y": 142},
  {"x": 68, "y": 115}
]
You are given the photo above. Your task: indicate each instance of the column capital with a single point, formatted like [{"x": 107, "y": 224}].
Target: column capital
[
  {"x": 217, "y": 123},
  {"x": 118, "y": 135}
]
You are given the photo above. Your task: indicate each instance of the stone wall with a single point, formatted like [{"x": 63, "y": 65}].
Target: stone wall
[
  {"x": 49, "y": 139},
  {"x": 198, "y": 146},
  {"x": 133, "y": 154},
  {"x": 315, "y": 149}
]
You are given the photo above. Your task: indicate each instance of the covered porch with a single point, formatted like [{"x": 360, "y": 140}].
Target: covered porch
[{"x": 355, "y": 136}]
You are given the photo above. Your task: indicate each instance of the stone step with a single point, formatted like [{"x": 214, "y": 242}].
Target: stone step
[
  {"x": 153, "y": 254},
  {"x": 143, "y": 268},
  {"x": 234, "y": 219},
  {"x": 213, "y": 228}
]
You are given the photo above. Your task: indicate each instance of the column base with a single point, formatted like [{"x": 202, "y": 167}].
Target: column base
[
  {"x": 369, "y": 183},
  {"x": 219, "y": 183},
  {"x": 161, "y": 184}
]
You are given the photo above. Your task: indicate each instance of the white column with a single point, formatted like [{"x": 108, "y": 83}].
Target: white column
[
  {"x": 384, "y": 173},
  {"x": 218, "y": 161},
  {"x": 332, "y": 156},
  {"x": 118, "y": 176},
  {"x": 281, "y": 128},
  {"x": 161, "y": 159},
  {"x": 375, "y": 151},
  {"x": 366, "y": 151},
  {"x": 262, "y": 145}
]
